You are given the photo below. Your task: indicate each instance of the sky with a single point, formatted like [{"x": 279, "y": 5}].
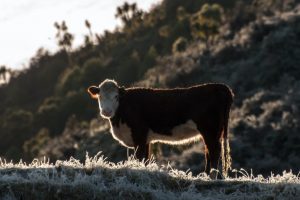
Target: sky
[{"x": 27, "y": 25}]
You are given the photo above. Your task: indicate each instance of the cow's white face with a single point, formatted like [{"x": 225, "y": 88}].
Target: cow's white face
[
  {"x": 108, "y": 102},
  {"x": 108, "y": 97}
]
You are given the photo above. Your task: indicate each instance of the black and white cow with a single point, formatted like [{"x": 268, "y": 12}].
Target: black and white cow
[{"x": 139, "y": 117}]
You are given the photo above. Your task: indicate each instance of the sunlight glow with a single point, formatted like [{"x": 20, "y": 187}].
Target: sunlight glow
[{"x": 26, "y": 25}]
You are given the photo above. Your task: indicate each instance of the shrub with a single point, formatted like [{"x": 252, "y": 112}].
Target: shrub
[
  {"x": 91, "y": 70},
  {"x": 33, "y": 145},
  {"x": 206, "y": 22},
  {"x": 179, "y": 45}
]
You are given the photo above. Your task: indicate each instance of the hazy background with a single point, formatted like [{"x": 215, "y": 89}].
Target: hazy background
[{"x": 26, "y": 25}]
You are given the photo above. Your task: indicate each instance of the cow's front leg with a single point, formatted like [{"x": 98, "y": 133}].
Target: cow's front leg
[
  {"x": 141, "y": 146},
  {"x": 207, "y": 160},
  {"x": 142, "y": 151}
]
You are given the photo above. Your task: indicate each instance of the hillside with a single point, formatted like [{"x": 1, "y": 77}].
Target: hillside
[
  {"x": 99, "y": 179},
  {"x": 253, "y": 46},
  {"x": 265, "y": 78}
]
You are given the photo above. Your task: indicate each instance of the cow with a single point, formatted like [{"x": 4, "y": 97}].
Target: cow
[{"x": 139, "y": 117}]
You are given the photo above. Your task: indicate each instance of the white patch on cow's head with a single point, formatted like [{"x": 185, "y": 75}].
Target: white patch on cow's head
[{"x": 108, "y": 98}]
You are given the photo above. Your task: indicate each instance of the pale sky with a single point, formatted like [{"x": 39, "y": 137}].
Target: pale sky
[{"x": 26, "y": 25}]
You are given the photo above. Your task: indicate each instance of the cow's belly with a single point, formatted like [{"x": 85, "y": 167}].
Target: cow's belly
[
  {"x": 123, "y": 134},
  {"x": 183, "y": 133}
]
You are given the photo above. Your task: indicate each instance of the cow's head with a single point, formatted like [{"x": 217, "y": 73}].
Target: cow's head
[{"x": 107, "y": 95}]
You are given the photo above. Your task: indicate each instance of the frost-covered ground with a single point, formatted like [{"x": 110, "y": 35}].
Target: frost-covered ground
[{"x": 99, "y": 179}]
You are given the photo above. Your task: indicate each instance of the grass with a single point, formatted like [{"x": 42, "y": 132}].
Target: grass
[{"x": 100, "y": 179}]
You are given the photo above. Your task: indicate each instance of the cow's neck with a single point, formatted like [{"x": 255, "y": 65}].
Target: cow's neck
[{"x": 117, "y": 118}]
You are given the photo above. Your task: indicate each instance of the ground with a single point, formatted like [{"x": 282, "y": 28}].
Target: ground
[{"x": 100, "y": 179}]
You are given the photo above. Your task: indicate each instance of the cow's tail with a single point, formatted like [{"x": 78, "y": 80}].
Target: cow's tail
[{"x": 226, "y": 158}]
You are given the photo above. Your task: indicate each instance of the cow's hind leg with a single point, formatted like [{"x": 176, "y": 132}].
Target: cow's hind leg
[{"x": 214, "y": 149}]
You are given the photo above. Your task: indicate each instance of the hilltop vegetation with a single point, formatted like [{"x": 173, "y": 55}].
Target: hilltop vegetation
[{"x": 252, "y": 46}]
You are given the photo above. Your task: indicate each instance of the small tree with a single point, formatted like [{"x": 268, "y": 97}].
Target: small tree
[
  {"x": 128, "y": 13},
  {"x": 64, "y": 38},
  {"x": 3, "y": 71},
  {"x": 89, "y": 39},
  {"x": 206, "y": 22}
]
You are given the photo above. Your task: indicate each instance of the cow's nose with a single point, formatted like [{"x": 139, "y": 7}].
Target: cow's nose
[{"x": 106, "y": 112}]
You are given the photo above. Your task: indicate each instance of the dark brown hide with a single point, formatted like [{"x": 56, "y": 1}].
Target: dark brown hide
[{"x": 160, "y": 110}]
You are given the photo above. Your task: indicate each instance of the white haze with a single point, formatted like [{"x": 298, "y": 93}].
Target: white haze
[{"x": 26, "y": 25}]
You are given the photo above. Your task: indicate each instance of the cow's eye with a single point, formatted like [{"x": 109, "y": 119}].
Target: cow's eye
[{"x": 117, "y": 97}]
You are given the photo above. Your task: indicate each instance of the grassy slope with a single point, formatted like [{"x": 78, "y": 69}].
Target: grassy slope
[{"x": 99, "y": 179}]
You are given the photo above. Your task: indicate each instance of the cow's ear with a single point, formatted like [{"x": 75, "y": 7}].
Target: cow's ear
[{"x": 94, "y": 91}]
